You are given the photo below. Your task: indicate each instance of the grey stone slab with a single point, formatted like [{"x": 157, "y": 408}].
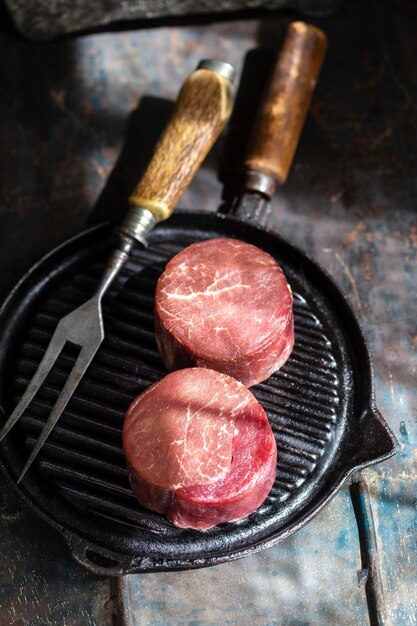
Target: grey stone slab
[{"x": 42, "y": 19}]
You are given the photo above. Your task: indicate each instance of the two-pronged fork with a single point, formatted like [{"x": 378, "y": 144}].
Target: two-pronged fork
[{"x": 202, "y": 109}]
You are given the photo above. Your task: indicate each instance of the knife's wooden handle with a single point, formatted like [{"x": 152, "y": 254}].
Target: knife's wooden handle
[
  {"x": 203, "y": 106},
  {"x": 284, "y": 107}
]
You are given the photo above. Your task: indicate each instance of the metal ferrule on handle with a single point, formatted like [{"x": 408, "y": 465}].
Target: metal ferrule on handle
[
  {"x": 262, "y": 182},
  {"x": 137, "y": 224},
  {"x": 222, "y": 68}
]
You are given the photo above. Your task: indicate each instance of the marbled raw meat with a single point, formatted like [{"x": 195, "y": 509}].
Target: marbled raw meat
[
  {"x": 199, "y": 449},
  {"x": 224, "y": 304}
]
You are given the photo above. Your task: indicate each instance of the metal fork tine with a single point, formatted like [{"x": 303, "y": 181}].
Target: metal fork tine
[
  {"x": 84, "y": 359},
  {"x": 54, "y": 349}
]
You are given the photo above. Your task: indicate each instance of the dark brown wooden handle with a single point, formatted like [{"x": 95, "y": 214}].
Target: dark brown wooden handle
[
  {"x": 284, "y": 108},
  {"x": 203, "y": 106}
]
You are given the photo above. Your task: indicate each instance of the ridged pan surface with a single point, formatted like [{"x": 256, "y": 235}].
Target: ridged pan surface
[{"x": 320, "y": 404}]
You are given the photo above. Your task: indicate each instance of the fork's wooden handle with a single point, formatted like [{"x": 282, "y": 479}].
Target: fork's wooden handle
[
  {"x": 281, "y": 116},
  {"x": 203, "y": 107}
]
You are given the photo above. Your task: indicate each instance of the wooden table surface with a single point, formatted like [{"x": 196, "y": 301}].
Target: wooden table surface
[{"x": 73, "y": 113}]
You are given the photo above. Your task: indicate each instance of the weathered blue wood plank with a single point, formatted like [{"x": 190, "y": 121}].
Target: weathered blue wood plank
[
  {"x": 39, "y": 584},
  {"x": 393, "y": 488},
  {"x": 358, "y": 218},
  {"x": 309, "y": 579}
]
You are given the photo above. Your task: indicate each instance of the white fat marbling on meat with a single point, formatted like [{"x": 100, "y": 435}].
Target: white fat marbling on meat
[
  {"x": 186, "y": 437},
  {"x": 222, "y": 299},
  {"x": 199, "y": 448}
]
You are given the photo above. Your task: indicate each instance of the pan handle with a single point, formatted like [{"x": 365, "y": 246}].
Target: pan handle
[
  {"x": 282, "y": 112},
  {"x": 202, "y": 109}
]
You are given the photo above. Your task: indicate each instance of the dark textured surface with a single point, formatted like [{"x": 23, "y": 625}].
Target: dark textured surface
[
  {"x": 349, "y": 201},
  {"x": 42, "y": 20},
  {"x": 42, "y": 594}
]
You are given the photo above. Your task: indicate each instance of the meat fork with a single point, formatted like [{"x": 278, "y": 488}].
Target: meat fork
[{"x": 203, "y": 106}]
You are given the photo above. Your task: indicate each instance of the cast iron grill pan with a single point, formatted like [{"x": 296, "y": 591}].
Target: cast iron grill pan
[{"x": 320, "y": 404}]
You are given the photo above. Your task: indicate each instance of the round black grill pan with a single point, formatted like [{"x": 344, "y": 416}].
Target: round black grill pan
[{"x": 320, "y": 404}]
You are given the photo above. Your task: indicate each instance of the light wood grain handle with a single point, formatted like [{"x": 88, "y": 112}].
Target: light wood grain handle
[
  {"x": 284, "y": 107},
  {"x": 202, "y": 109}
]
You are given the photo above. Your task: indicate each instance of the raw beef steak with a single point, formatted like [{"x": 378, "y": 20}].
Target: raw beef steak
[
  {"x": 199, "y": 448},
  {"x": 226, "y": 305}
]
